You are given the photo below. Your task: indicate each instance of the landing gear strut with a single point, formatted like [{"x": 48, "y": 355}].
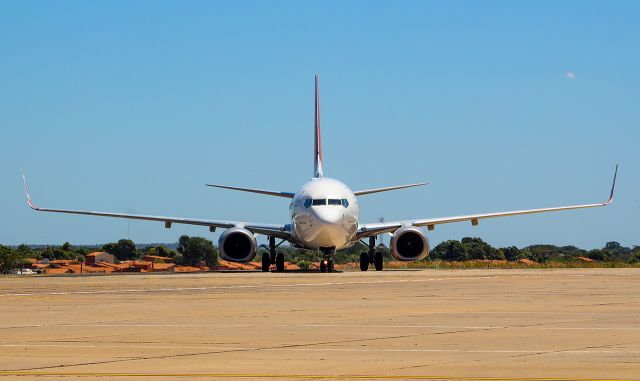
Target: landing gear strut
[
  {"x": 372, "y": 257},
  {"x": 273, "y": 258},
  {"x": 269, "y": 258}
]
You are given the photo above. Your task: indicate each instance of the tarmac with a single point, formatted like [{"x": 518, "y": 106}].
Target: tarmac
[{"x": 486, "y": 325}]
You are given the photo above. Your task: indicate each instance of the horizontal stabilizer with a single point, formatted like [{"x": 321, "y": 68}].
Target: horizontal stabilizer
[
  {"x": 251, "y": 190},
  {"x": 377, "y": 190}
]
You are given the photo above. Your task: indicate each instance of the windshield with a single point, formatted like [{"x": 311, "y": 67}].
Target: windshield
[{"x": 323, "y": 201}]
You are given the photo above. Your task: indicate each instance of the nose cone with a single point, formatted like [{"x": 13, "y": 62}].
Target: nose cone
[
  {"x": 328, "y": 227},
  {"x": 329, "y": 215}
]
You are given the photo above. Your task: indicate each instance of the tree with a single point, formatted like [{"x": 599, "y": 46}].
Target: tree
[
  {"x": 161, "y": 251},
  {"x": 54, "y": 252},
  {"x": 512, "y": 253},
  {"x": 124, "y": 249},
  {"x": 451, "y": 250},
  {"x": 476, "y": 248},
  {"x": 24, "y": 251},
  {"x": 8, "y": 259},
  {"x": 195, "y": 250}
]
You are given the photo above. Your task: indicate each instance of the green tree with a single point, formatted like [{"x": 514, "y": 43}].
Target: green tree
[
  {"x": 451, "y": 250},
  {"x": 8, "y": 259},
  {"x": 56, "y": 252},
  {"x": 512, "y": 253},
  {"x": 475, "y": 248},
  {"x": 161, "y": 251},
  {"x": 24, "y": 251},
  {"x": 124, "y": 249},
  {"x": 194, "y": 250}
]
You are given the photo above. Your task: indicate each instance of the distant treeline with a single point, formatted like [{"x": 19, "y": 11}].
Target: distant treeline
[
  {"x": 190, "y": 251},
  {"x": 474, "y": 249},
  {"x": 197, "y": 250}
]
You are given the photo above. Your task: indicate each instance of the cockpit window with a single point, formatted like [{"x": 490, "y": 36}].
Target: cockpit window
[{"x": 323, "y": 201}]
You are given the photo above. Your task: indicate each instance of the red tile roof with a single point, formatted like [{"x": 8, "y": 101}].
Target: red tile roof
[{"x": 157, "y": 257}]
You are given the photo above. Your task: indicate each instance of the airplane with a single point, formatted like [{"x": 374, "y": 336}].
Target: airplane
[{"x": 324, "y": 218}]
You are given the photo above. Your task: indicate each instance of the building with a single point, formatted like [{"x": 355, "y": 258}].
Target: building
[{"x": 99, "y": 256}]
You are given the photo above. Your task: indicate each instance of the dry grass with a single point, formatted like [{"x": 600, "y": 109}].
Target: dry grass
[{"x": 486, "y": 264}]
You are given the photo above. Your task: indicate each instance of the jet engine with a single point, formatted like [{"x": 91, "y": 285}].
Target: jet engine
[
  {"x": 237, "y": 245},
  {"x": 409, "y": 244}
]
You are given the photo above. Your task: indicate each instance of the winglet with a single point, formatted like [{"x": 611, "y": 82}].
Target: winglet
[
  {"x": 613, "y": 186},
  {"x": 26, "y": 191}
]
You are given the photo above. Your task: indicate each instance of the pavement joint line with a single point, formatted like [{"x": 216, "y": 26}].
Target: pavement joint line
[
  {"x": 260, "y": 286},
  {"x": 307, "y": 326},
  {"x": 302, "y": 376},
  {"x": 320, "y": 349}
]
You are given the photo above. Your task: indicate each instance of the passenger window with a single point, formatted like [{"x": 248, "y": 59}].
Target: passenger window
[
  {"x": 335, "y": 201},
  {"x": 345, "y": 203},
  {"x": 319, "y": 201},
  {"x": 307, "y": 203}
]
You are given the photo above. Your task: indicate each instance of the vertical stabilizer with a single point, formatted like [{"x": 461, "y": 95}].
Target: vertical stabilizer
[{"x": 317, "y": 143}]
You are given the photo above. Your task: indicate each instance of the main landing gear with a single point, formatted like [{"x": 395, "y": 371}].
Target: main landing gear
[
  {"x": 326, "y": 264},
  {"x": 372, "y": 257},
  {"x": 272, "y": 258}
]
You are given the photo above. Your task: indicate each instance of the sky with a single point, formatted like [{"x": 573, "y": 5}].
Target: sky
[{"x": 132, "y": 106}]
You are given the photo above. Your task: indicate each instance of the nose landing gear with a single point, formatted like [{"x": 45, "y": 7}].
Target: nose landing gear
[{"x": 326, "y": 264}]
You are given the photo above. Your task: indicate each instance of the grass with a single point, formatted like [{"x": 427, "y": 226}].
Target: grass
[{"x": 437, "y": 264}]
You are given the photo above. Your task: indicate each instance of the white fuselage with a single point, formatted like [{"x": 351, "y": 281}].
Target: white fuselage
[{"x": 324, "y": 214}]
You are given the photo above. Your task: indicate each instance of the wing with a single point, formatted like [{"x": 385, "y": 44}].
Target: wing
[
  {"x": 385, "y": 189},
  {"x": 280, "y": 231},
  {"x": 384, "y": 227}
]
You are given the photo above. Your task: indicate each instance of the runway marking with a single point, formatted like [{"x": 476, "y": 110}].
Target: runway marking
[
  {"x": 319, "y": 349},
  {"x": 302, "y": 376},
  {"x": 258, "y": 286},
  {"x": 403, "y": 326}
]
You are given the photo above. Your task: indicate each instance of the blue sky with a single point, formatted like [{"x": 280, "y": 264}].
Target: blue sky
[{"x": 134, "y": 106}]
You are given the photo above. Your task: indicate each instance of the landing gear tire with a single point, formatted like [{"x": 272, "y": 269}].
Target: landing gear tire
[
  {"x": 377, "y": 261},
  {"x": 323, "y": 266},
  {"x": 280, "y": 262},
  {"x": 364, "y": 262},
  {"x": 330, "y": 266},
  {"x": 266, "y": 262}
]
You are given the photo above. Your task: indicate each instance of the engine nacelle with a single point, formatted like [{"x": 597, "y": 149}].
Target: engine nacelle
[
  {"x": 409, "y": 244},
  {"x": 237, "y": 245}
]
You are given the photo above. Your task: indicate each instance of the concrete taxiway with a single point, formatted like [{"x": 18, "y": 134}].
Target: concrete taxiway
[{"x": 431, "y": 324}]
